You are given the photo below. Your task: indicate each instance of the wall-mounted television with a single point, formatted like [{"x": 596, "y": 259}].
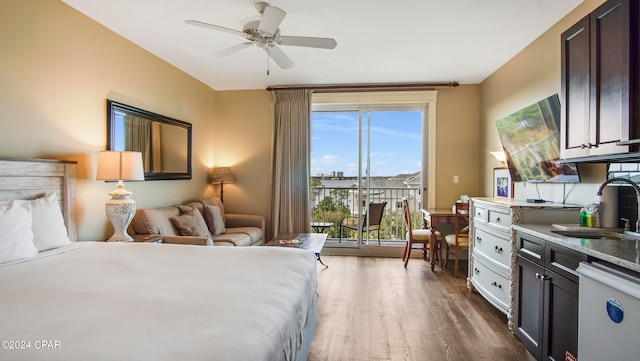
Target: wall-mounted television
[{"x": 531, "y": 141}]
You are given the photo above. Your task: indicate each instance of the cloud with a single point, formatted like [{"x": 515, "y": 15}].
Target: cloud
[{"x": 327, "y": 160}]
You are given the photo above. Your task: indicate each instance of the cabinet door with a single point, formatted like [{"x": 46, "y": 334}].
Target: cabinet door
[
  {"x": 529, "y": 306},
  {"x": 575, "y": 90},
  {"x": 561, "y": 317},
  {"x": 610, "y": 77}
]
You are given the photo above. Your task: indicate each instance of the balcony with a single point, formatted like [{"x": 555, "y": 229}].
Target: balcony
[{"x": 331, "y": 204}]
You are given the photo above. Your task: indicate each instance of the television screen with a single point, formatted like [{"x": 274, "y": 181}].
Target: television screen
[{"x": 531, "y": 141}]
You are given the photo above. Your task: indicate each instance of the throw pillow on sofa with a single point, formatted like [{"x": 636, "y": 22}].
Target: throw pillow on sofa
[
  {"x": 213, "y": 218},
  {"x": 191, "y": 223},
  {"x": 213, "y": 201}
]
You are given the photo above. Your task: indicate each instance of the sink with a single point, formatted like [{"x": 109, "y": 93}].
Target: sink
[{"x": 597, "y": 234}]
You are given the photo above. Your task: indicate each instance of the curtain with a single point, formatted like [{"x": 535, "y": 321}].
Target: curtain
[
  {"x": 291, "y": 164},
  {"x": 137, "y": 138}
]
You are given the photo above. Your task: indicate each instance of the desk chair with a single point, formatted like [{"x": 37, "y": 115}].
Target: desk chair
[
  {"x": 459, "y": 240},
  {"x": 374, "y": 213},
  {"x": 416, "y": 236}
]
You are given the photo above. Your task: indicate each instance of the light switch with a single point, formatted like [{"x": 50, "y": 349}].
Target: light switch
[{"x": 456, "y": 180}]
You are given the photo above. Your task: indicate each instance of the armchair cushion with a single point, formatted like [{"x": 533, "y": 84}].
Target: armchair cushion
[
  {"x": 191, "y": 224},
  {"x": 253, "y": 232},
  {"x": 237, "y": 239}
]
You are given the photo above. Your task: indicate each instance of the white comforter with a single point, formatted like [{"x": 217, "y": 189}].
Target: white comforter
[{"x": 135, "y": 301}]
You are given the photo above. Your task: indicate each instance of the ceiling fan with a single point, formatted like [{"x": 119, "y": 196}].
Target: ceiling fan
[{"x": 265, "y": 34}]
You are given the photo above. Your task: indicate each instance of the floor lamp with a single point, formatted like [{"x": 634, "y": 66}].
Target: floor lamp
[
  {"x": 221, "y": 175},
  {"x": 120, "y": 209}
]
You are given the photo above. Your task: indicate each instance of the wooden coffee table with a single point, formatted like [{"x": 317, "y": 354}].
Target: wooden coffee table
[{"x": 310, "y": 241}]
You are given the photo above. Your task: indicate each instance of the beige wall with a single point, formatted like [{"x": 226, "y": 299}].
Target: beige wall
[
  {"x": 457, "y": 143},
  {"x": 57, "y": 69},
  {"x": 242, "y": 140},
  {"x": 532, "y": 75}
]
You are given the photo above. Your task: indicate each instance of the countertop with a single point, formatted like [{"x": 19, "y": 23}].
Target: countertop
[
  {"x": 515, "y": 202},
  {"x": 624, "y": 253}
]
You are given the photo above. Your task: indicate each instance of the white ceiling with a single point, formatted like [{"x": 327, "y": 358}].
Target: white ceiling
[{"x": 379, "y": 41}]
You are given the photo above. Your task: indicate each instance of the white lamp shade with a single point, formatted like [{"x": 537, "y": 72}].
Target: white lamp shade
[{"x": 116, "y": 166}]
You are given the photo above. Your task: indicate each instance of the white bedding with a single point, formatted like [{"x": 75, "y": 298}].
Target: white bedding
[{"x": 147, "y": 301}]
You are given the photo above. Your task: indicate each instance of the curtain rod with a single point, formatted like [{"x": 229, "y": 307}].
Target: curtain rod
[{"x": 364, "y": 87}]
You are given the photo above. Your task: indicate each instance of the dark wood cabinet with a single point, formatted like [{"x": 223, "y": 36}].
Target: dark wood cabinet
[
  {"x": 600, "y": 82},
  {"x": 546, "y": 305},
  {"x": 529, "y": 315},
  {"x": 560, "y": 329}
]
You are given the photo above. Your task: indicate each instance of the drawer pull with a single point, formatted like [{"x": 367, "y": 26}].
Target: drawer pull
[
  {"x": 476, "y": 270},
  {"x": 479, "y": 214},
  {"x": 498, "y": 249},
  {"x": 542, "y": 277},
  {"x": 494, "y": 283},
  {"x": 478, "y": 239},
  {"x": 497, "y": 219}
]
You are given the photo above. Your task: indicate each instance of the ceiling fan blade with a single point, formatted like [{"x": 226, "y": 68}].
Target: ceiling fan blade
[
  {"x": 310, "y": 42},
  {"x": 234, "y": 49},
  {"x": 214, "y": 27},
  {"x": 271, "y": 19},
  {"x": 279, "y": 57}
]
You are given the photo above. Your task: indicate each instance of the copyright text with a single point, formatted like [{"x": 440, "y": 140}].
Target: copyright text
[{"x": 30, "y": 344}]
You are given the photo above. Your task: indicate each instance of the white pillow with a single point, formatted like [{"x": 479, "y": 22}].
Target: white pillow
[
  {"x": 47, "y": 222},
  {"x": 47, "y": 225},
  {"x": 16, "y": 237}
]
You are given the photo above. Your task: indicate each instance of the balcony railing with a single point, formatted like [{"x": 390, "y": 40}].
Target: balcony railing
[{"x": 332, "y": 204}]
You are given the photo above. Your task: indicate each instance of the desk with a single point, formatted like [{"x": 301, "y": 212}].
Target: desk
[
  {"x": 430, "y": 219},
  {"x": 311, "y": 241},
  {"x": 319, "y": 227}
]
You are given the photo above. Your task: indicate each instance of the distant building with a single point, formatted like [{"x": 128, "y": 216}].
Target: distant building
[{"x": 381, "y": 189}]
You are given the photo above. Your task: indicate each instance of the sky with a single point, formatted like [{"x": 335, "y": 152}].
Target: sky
[{"x": 395, "y": 142}]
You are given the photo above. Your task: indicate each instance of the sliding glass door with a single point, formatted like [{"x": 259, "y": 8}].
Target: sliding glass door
[{"x": 363, "y": 162}]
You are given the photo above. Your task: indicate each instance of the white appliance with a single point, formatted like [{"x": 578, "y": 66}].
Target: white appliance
[{"x": 609, "y": 314}]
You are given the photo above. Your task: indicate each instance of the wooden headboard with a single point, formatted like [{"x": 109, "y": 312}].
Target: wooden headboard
[{"x": 24, "y": 178}]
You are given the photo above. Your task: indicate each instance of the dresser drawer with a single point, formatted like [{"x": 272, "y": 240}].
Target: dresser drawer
[
  {"x": 493, "y": 245},
  {"x": 493, "y": 285},
  {"x": 499, "y": 218},
  {"x": 479, "y": 213}
]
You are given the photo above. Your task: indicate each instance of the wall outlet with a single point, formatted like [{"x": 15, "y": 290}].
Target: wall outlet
[{"x": 456, "y": 179}]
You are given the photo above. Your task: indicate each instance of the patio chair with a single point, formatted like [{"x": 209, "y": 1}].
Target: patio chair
[{"x": 374, "y": 214}]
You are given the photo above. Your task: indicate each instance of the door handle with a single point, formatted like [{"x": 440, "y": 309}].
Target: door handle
[{"x": 542, "y": 277}]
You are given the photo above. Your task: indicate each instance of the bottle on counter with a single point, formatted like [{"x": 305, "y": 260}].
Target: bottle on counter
[{"x": 583, "y": 217}]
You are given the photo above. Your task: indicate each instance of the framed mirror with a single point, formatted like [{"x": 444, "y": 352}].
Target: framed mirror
[{"x": 165, "y": 142}]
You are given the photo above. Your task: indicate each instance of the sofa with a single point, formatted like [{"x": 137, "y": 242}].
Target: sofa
[{"x": 202, "y": 222}]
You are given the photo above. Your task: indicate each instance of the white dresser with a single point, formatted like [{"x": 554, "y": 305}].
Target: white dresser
[{"x": 492, "y": 244}]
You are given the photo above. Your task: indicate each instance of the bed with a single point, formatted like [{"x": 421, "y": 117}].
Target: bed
[{"x": 148, "y": 301}]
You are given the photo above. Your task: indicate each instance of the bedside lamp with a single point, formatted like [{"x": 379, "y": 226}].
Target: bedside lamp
[
  {"x": 120, "y": 209},
  {"x": 221, "y": 175}
]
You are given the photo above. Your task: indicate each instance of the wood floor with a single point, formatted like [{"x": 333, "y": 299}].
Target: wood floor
[{"x": 374, "y": 309}]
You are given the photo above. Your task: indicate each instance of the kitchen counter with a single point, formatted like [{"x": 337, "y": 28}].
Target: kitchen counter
[{"x": 624, "y": 253}]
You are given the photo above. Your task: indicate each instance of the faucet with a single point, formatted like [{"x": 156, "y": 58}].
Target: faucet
[{"x": 632, "y": 184}]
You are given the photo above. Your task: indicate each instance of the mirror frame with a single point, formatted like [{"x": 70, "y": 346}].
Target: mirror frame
[{"x": 113, "y": 106}]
